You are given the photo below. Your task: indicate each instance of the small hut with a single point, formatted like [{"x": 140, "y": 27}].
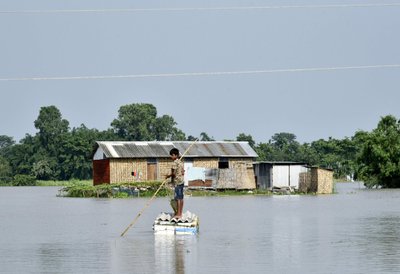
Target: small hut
[
  {"x": 318, "y": 180},
  {"x": 278, "y": 174},
  {"x": 296, "y": 175}
]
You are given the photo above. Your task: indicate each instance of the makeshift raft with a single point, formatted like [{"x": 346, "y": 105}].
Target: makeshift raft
[{"x": 165, "y": 224}]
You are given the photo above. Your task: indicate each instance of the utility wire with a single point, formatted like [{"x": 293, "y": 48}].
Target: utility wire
[
  {"x": 237, "y": 8},
  {"x": 198, "y": 74}
]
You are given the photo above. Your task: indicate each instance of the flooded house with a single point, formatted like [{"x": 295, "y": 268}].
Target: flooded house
[
  {"x": 317, "y": 180},
  {"x": 214, "y": 164},
  {"x": 294, "y": 175},
  {"x": 271, "y": 174}
]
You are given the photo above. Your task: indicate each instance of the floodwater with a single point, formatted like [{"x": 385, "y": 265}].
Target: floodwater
[{"x": 354, "y": 231}]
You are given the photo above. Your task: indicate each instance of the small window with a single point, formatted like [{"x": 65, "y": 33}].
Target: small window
[
  {"x": 152, "y": 160},
  {"x": 223, "y": 163}
]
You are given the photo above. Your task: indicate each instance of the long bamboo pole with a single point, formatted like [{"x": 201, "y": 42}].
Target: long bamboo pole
[{"x": 154, "y": 195}]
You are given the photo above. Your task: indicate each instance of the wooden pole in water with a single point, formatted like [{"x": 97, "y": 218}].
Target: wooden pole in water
[{"x": 154, "y": 195}]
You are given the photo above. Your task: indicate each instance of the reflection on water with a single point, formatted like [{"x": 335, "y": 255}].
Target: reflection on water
[
  {"x": 355, "y": 231},
  {"x": 170, "y": 252},
  {"x": 153, "y": 254}
]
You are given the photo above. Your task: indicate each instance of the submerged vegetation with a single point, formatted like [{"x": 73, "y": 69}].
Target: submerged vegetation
[
  {"x": 26, "y": 180},
  {"x": 72, "y": 182},
  {"x": 20, "y": 180},
  {"x": 123, "y": 190},
  {"x": 147, "y": 189}
]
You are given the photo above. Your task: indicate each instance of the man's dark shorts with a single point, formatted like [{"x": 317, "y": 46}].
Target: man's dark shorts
[{"x": 178, "y": 192}]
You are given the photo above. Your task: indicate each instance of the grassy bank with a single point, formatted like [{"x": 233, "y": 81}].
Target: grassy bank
[
  {"x": 85, "y": 189},
  {"x": 141, "y": 189},
  {"x": 65, "y": 183},
  {"x": 30, "y": 181}
]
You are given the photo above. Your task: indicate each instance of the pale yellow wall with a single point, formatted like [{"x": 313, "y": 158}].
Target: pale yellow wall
[
  {"x": 319, "y": 180},
  {"x": 206, "y": 163},
  {"x": 164, "y": 168},
  {"x": 121, "y": 170},
  {"x": 305, "y": 182},
  {"x": 325, "y": 181},
  {"x": 245, "y": 173}
]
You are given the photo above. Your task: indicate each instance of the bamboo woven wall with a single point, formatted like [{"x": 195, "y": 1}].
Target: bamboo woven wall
[
  {"x": 121, "y": 170},
  {"x": 325, "y": 181},
  {"x": 164, "y": 168},
  {"x": 305, "y": 182},
  {"x": 239, "y": 175},
  {"x": 317, "y": 180},
  {"x": 246, "y": 178},
  {"x": 206, "y": 163}
]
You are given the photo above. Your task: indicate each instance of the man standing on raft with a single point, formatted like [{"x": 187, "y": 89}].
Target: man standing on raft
[{"x": 177, "y": 178}]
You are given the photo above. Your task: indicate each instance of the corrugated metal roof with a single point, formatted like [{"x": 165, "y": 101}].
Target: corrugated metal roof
[
  {"x": 124, "y": 149},
  {"x": 281, "y": 163}
]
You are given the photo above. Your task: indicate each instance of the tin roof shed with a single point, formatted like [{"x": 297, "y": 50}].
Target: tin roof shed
[{"x": 154, "y": 149}]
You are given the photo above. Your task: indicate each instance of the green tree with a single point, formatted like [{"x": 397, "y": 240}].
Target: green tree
[
  {"x": 166, "y": 130},
  {"x": 359, "y": 139},
  {"x": 379, "y": 160},
  {"x": 178, "y": 135},
  {"x": 339, "y": 155},
  {"x": 307, "y": 154},
  {"x": 204, "y": 137},
  {"x": 42, "y": 170},
  {"x": 6, "y": 142},
  {"x": 285, "y": 147},
  {"x": 136, "y": 122},
  {"x": 47, "y": 155},
  {"x": 246, "y": 138},
  {"x": 328, "y": 152},
  {"x": 281, "y": 147},
  {"x": 283, "y": 140},
  {"x": 264, "y": 151},
  {"x": 108, "y": 135},
  {"x": 52, "y": 127},
  {"x": 40, "y": 155},
  {"x": 76, "y": 154},
  {"x": 21, "y": 156},
  {"x": 24, "y": 180},
  {"x": 139, "y": 122},
  {"x": 5, "y": 170},
  {"x": 191, "y": 138}
]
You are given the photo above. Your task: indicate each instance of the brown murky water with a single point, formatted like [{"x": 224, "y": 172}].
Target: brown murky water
[{"x": 355, "y": 231}]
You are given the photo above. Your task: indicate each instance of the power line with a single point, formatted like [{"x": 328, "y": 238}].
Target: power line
[
  {"x": 237, "y": 8},
  {"x": 198, "y": 74}
]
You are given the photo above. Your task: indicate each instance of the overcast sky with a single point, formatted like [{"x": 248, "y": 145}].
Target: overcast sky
[{"x": 310, "y": 104}]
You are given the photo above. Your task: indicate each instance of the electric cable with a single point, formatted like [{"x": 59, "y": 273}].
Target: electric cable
[
  {"x": 198, "y": 74},
  {"x": 234, "y": 8}
]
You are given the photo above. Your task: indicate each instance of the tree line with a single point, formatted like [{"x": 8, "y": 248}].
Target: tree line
[{"x": 57, "y": 152}]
